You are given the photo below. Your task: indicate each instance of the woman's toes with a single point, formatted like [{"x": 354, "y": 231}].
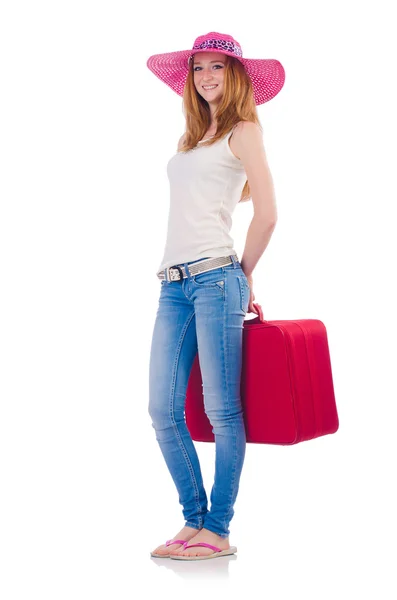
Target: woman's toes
[
  {"x": 160, "y": 550},
  {"x": 163, "y": 549},
  {"x": 173, "y": 552}
]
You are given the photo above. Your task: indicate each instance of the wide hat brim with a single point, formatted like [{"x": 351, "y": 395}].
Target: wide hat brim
[{"x": 267, "y": 74}]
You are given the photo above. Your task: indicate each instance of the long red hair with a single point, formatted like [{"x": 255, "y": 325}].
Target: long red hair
[{"x": 237, "y": 104}]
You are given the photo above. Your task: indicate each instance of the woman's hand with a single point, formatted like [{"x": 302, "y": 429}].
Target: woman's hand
[{"x": 253, "y": 307}]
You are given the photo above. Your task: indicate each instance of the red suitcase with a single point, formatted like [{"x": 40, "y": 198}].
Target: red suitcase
[{"x": 286, "y": 384}]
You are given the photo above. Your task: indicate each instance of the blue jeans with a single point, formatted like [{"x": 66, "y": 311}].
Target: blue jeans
[{"x": 202, "y": 313}]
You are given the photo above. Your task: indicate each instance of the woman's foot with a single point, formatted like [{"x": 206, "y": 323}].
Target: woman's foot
[
  {"x": 186, "y": 533},
  {"x": 207, "y": 536}
]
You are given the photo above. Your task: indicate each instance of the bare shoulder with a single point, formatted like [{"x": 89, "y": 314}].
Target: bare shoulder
[
  {"x": 246, "y": 137},
  {"x": 248, "y": 134},
  {"x": 180, "y": 143},
  {"x": 250, "y": 149}
]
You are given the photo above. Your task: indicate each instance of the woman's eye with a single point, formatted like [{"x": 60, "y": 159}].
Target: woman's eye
[{"x": 220, "y": 66}]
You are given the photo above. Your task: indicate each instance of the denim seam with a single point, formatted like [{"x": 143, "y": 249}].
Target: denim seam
[
  {"x": 180, "y": 441},
  {"x": 242, "y": 293},
  {"x": 225, "y": 375},
  {"x": 226, "y": 519},
  {"x": 227, "y": 515},
  {"x": 225, "y": 353}
]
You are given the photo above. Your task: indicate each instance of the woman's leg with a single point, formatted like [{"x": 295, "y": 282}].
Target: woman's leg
[
  {"x": 173, "y": 349},
  {"x": 221, "y": 301}
]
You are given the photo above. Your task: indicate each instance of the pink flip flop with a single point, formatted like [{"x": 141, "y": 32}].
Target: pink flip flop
[
  {"x": 168, "y": 543},
  {"x": 216, "y": 552}
]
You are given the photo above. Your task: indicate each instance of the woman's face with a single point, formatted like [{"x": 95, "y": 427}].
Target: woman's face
[{"x": 208, "y": 70}]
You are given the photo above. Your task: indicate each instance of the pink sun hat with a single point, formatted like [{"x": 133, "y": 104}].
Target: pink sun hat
[{"x": 267, "y": 74}]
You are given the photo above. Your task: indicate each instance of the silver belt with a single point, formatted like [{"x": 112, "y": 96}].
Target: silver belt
[{"x": 202, "y": 266}]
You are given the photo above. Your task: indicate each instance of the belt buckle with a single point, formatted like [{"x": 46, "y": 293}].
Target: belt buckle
[{"x": 170, "y": 275}]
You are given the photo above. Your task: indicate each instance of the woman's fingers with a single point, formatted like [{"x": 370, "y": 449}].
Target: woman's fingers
[{"x": 251, "y": 307}]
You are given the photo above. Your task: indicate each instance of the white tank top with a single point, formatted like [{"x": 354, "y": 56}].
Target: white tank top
[{"x": 205, "y": 187}]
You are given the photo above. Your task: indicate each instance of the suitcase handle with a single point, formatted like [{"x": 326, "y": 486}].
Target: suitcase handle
[{"x": 259, "y": 318}]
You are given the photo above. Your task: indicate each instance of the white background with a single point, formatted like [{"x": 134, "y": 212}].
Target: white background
[{"x": 86, "y": 132}]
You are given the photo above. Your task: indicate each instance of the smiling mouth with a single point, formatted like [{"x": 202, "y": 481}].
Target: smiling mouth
[{"x": 211, "y": 87}]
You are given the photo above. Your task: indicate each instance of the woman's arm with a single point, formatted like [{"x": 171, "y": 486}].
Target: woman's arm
[
  {"x": 249, "y": 147},
  {"x": 258, "y": 237}
]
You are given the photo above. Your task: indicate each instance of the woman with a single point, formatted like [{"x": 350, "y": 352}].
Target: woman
[{"x": 205, "y": 290}]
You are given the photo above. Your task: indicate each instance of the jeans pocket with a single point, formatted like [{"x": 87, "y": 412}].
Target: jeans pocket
[
  {"x": 210, "y": 279},
  {"x": 245, "y": 292},
  {"x": 243, "y": 275}
]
